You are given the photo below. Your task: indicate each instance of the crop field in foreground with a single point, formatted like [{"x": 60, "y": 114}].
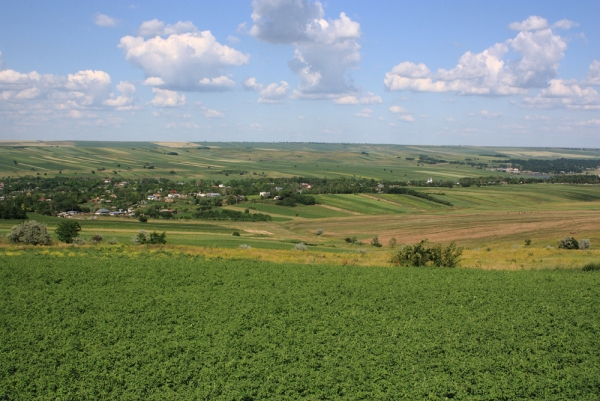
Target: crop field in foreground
[{"x": 108, "y": 323}]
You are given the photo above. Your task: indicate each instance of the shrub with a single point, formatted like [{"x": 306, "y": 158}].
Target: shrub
[
  {"x": 143, "y": 219},
  {"x": 245, "y": 246},
  {"x": 392, "y": 242},
  {"x": 67, "y": 230},
  {"x": 112, "y": 241},
  {"x": 348, "y": 240},
  {"x": 236, "y": 234},
  {"x": 30, "y": 233},
  {"x": 300, "y": 247},
  {"x": 527, "y": 242},
  {"x": 584, "y": 244},
  {"x": 593, "y": 266},
  {"x": 424, "y": 254},
  {"x": 96, "y": 239},
  {"x": 568, "y": 243},
  {"x": 319, "y": 231},
  {"x": 78, "y": 241},
  {"x": 144, "y": 237},
  {"x": 375, "y": 242}
]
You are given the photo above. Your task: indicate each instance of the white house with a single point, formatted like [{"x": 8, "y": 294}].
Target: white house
[{"x": 265, "y": 194}]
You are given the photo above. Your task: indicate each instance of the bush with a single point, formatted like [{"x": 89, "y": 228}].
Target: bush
[
  {"x": 30, "y": 233},
  {"x": 568, "y": 243},
  {"x": 375, "y": 242},
  {"x": 96, "y": 239},
  {"x": 236, "y": 234},
  {"x": 527, "y": 242},
  {"x": 244, "y": 246},
  {"x": 301, "y": 247},
  {"x": 392, "y": 242},
  {"x": 424, "y": 254},
  {"x": 78, "y": 241},
  {"x": 319, "y": 231},
  {"x": 112, "y": 241},
  {"x": 67, "y": 230},
  {"x": 143, "y": 219},
  {"x": 584, "y": 244},
  {"x": 144, "y": 237},
  {"x": 593, "y": 266}
]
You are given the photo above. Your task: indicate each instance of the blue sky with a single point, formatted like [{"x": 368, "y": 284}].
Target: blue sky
[{"x": 433, "y": 72}]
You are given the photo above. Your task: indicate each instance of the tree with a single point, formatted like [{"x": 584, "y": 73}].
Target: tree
[
  {"x": 392, "y": 242},
  {"x": 375, "y": 242},
  {"x": 30, "y": 233},
  {"x": 67, "y": 230}
]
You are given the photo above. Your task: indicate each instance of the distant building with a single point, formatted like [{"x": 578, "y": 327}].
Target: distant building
[
  {"x": 265, "y": 194},
  {"x": 102, "y": 212}
]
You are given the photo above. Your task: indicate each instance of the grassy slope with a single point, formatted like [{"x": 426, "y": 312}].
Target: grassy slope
[
  {"x": 95, "y": 324},
  {"x": 283, "y": 160}
]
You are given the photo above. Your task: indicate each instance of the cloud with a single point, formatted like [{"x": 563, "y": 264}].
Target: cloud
[
  {"x": 153, "y": 28},
  {"x": 250, "y": 84},
  {"x": 407, "y": 118},
  {"x": 125, "y": 101},
  {"x": 449, "y": 120},
  {"x": 185, "y": 60},
  {"x": 167, "y": 98},
  {"x": 105, "y": 20},
  {"x": 564, "y": 94},
  {"x": 593, "y": 77},
  {"x": 536, "y": 118},
  {"x": 370, "y": 98},
  {"x": 274, "y": 93},
  {"x": 209, "y": 113},
  {"x": 399, "y": 110},
  {"x": 593, "y": 123},
  {"x": 564, "y": 24},
  {"x": 490, "y": 72},
  {"x": 233, "y": 39},
  {"x": 365, "y": 113},
  {"x": 489, "y": 116},
  {"x": 325, "y": 50},
  {"x": 532, "y": 23}
]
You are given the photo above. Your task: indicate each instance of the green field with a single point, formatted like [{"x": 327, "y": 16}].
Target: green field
[
  {"x": 126, "y": 160},
  {"x": 105, "y": 323}
]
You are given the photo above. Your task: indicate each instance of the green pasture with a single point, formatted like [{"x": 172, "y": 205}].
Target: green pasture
[
  {"x": 127, "y": 159},
  {"x": 302, "y": 211},
  {"x": 108, "y": 323}
]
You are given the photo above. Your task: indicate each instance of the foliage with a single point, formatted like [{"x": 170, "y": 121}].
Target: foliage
[
  {"x": 245, "y": 246},
  {"x": 291, "y": 198},
  {"x": 112, "y": 241},
  {"x": 143, "y": 219},
  {"x": 67, "y": 230},
  {"x": 30, "y": 233},
  {"x": 12, "y": 211},
  {"x": 300, "y": 247},
  {"x": 236, "y": 234},
  {"x": 113, "y": 324},
  {"x": 144, "y": 237},
  {"x": 418, "y": 194},
  {"x": 234, "y": 215},
  {"x": 319, "y": 231},
  {"x": 96, "y": 239},
  {"x": 425, "y": 254},
  {"x": 375, "y": 242},
  {"x": 568, "y": 243},
  {"x": 79, "y": 240},
  {"x": 392, "y": 242},
  {"x": 584, "y": 244},
  {"x": 592, "y": 266}
]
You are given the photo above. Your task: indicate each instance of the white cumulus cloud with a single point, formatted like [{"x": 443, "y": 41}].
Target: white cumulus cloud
[
  {"x": 370, "y": 98},
  {"x": 364, "y": 113},
  {"x": 251, "y": 84},
  {"x": 325, "y": 50},
  {"x": 104, "y": 20},
  {"x": 490, "y": 72},
  {"x": 167, "y": 98},
  {"x": 532, "y": 23},
  {"x": 593, "y": 77},
  {"x": 274, "y": 93},
  {"x": 185, "y": 60}
]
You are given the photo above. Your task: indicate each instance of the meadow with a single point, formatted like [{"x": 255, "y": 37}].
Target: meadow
[{"x": 156, "y": 324}]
